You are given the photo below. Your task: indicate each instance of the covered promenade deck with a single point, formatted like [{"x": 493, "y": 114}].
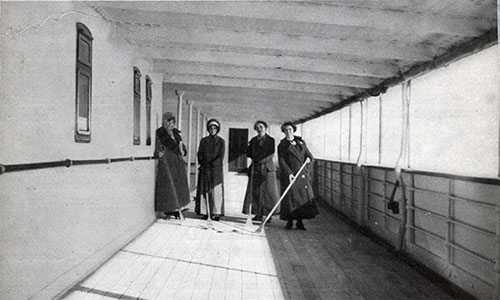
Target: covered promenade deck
[{"x": 184, "y": 260}]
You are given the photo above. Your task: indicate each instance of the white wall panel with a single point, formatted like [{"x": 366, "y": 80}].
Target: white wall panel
[{"x": 454, "y": 115}]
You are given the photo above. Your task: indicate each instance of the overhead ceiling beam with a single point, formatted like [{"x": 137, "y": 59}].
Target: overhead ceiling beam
[
  {"x": 240, "y": 24},
  {"x": 259, "y": 84},
  {"x": 460, "y": 51},
  {"x": 231, "y": 98},
  {"x": 354, "y": 68},
  {"x": 251, "y": 114},
  {"x": 422, "y": 22},
  {"x": 252, "y": 92},
  {"x": 196, "y": 35},
  {"x": 215, "y": 69},
  {"x": 472, "y": 9}
]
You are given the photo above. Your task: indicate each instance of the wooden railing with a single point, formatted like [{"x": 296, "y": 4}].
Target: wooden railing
[{"x": 450, "y": 223}]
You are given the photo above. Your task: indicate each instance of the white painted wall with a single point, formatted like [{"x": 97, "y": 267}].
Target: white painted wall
[{"x": 59, "y": 224}]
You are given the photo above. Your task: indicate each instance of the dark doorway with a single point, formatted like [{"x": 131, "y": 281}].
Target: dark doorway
[{"x": 238, "y": 141}]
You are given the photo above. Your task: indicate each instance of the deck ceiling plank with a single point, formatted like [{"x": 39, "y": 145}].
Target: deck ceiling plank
[
  {"x": 332, "y": 57},
  {"x": 251, "y": 107},
  {"x": 254, "y": 92},
  {"x": 243, "y": 24},
  {"x": 259, "y": 83},
  {"x": 216, "y": 69},
  {"x": 352, "y": 68},
  {"x": 445, "y": 7},
  {"x": 228, "y": 115},
  {"x": 387, "y": 18},
  {"x": 361, "y": 48},
  {"x": 197, "y": 97}
]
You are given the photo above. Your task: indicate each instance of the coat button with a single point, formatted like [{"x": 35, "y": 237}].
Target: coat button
[
  {"x": 306, "y": 186},
  {"x": 303, "y": 176}
]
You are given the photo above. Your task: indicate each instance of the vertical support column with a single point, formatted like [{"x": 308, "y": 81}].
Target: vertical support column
[
  {"x": 497, "y": 237},
  {"x": 190, "y": 143},
  {"x": 179, "y": 94},
  {"x": 198, "y": 137},
  {"x": 203, "y": 129}
]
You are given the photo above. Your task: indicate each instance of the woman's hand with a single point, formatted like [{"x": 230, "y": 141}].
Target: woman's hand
[{"x": 160, "y": 154}]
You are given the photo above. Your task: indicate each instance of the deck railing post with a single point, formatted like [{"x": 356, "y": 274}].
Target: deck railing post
[
  {"x": 450, "y": 225},
  {"x": 410, "y": 209},
  {"x": 497, "y": 260}
]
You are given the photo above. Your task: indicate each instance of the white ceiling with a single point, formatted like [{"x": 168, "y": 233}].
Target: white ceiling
[{"x": 294, "y": 60}]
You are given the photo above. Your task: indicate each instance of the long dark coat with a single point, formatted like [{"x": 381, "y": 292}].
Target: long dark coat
[
  {"x": 171, "y": 188},
  {"x": 211, "y": 174},
  {"x": 262, "y": 188},
  {"x": 297, "y": 202}
]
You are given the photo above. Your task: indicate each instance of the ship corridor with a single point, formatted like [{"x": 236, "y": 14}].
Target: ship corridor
[{"x": 397, "y": 101}]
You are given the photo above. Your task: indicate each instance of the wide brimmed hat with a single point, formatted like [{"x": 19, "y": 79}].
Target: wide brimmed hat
[
  {"x": 168, "y": 116},
  {"x": 213, "y": 122}
]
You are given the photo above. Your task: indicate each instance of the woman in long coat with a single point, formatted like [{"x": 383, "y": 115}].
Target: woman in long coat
[
  {"x": 210, "y": 176},
  {"x": 298, "y": 203},
  {"x": 171, "y": 188},
  {"x": 262, "y": 190}
]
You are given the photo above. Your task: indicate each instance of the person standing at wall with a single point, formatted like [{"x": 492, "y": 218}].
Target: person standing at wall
[
  {"x": 171, "y": 188},
  {"x": 211, "y": 177},
  {"x": 298, "y": 203},
  {"x": 262, "y": 189}
]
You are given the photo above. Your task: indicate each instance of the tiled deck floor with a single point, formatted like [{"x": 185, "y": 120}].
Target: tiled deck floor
[{"x": 329, "y": 261}]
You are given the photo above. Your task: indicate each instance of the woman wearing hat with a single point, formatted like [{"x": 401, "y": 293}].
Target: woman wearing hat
[
  {"x": 210, "y": 178},
  {"x": 171, "y": 189},
  {"x": 298, "y": 203},
  {"x": 262, "y": 189}
]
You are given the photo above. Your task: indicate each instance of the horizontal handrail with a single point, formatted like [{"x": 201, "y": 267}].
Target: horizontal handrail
[
  {"x": 67, "y": 163},
  {"x": 485, "y": 180}
]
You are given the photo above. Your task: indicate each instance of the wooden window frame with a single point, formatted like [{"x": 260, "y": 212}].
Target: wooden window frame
[
  {"x": 149, "y": 100},
  {"x": 83, "y": 68},
  {"x": 137, "y": 107}
]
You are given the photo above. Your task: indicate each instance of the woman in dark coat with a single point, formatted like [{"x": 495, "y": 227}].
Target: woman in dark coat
[
  {"x": 171, "y": 189},
  {"x": 298, "y": 203},
  {"x": 262, "y": 190},
  {"x": 210, "y": 177}
]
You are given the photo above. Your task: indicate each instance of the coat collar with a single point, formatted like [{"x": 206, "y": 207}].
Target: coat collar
[{"x": 292, "y": 149}]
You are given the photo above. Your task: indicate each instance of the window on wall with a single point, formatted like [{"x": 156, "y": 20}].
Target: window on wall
[
  {"x": 149, "y": 99},
  {"x": 83, "y": 83},
  {"x": 137, "y": 106}
]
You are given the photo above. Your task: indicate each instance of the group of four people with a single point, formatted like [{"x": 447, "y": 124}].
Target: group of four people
[{"x": 172, "y": 191}]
